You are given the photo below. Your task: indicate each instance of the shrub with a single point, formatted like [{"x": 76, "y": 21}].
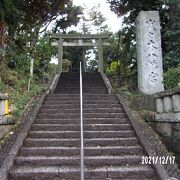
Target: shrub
[{"x": 172, "y": 77}]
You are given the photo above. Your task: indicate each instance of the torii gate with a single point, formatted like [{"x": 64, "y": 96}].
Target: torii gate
[{"x": 78, "y": 40}]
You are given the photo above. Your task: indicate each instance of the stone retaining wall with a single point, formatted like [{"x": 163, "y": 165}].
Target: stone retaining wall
[
  {"x": 167, "y": 118},
  {"x": 143, "y": 102},
  {"x": 164, "y": 114},
  {"x": 168, "y": 105}
]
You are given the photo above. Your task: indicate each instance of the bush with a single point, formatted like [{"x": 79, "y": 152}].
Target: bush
[
  {"x": 172, "y": 78},
  {"x": 113, "y": 68}
]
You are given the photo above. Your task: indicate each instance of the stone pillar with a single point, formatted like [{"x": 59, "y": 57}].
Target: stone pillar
[
  {"x": 149, "y": 53},
  {"x": 176, "y": 102},
  {"x": 2, "y": 107},
  {"x": 3, "y": 98},
  {"x": 159, "y": 105},
  {"x": 168, "y": 106},
  {"x": 100, "y": 56},
  {"x": 60, "y": 55}
]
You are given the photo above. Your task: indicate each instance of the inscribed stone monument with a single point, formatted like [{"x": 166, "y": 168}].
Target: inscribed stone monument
[{"x": 149, "y": 53}]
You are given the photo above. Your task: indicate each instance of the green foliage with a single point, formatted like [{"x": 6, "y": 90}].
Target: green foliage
[
  {"x": 73, "y": 54},
  {"x": 7, "y": 9},
  {"x": 171, "y": 38},
  {"x": 69, "y": 16},
  {"x": 170, "y": 22},
  {"x": 122, "y": 51},
  {"x": 94, "y": 22},
  {"x": 113, "y": 68},
  {"x": 97, "y": 20},
  {"x": 172, "y": 77},
  {"x": 11, "y": 78},
  {"x": 92, "y": 65}
]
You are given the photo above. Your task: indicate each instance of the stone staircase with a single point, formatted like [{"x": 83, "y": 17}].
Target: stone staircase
[{"x": 52, "y": 148}]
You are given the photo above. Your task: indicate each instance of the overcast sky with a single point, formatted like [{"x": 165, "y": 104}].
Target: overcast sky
[{"x": 113, "y": 22}]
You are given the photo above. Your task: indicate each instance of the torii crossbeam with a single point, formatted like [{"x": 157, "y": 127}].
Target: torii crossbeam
[{"x": 80, "y": 40}]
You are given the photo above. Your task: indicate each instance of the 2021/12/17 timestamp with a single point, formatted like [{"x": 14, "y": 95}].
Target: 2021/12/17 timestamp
[{"x": 158, "y": 159}]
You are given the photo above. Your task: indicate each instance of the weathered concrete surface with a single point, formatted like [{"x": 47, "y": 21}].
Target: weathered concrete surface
[
  {"x": 54, "y": 83},
  {"x": 2, "y": 104},
  {"x": 168, "y": 92},
  {"x": 150, "y": 141},
  {"x": 11, "y": 155},
  {"x": 176, "y": 102},
  {"x": 107, "y": 83},
  {"x": 2, "y": 107},
  {"x": 149, "y": 53},
  {"x": 168, "y": 105},
  {"x": 159, "y": 105},
  {"x": 143, "y": 102},
  {"x": 164, "y": 129},
  {"x": 4, "y": 130},
  {"x": 168, "y": 117}
]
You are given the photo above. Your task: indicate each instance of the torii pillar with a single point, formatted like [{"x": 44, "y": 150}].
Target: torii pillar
[
  {"x": 60, "y": 54},
  {"x": 100, "y": 56}
]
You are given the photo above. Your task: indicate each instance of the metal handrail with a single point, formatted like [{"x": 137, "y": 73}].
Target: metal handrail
[{"x": 81, "y": 118}]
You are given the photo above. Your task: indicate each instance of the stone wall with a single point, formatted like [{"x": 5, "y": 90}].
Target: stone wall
[
  {"x": 165, "y": 121},
  {"x": 145, "y": 102},
  {"x": 168, "y": 105},
  {"x": 167, "y": 118}
]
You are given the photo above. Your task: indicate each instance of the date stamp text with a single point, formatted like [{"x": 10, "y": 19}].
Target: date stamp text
[{"x": 158, "y": 159}]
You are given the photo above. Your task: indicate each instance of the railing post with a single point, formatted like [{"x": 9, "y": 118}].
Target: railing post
[{"x": 81, "y": 119}]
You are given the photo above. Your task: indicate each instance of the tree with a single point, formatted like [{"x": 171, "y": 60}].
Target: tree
[
  {"x": 8, "y": 14},
  {"x": 170, "y": 20},
  {"x": 22, "y": 21},
  {"x": 93, "y": 22},
  {"x": 74, "y": 54},
  {"x": 97, "y": 20},
  {"x": 68, "y": 17}
]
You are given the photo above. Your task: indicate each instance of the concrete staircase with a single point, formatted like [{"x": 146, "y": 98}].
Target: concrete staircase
[{"x": 52, "y": 148}]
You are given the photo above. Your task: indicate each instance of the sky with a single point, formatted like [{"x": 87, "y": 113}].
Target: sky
[{"x": 113, "y": 22}]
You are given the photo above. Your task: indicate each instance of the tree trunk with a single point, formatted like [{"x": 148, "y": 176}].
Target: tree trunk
[
  {"x": 2, "y": 46},
  {"x": 2, "y": 39}
]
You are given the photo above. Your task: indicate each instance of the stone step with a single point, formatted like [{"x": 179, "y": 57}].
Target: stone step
[
  {"x": 77, "y": 102},
  {"x": 100, "y": 89},
  {"x": 85, "y": 120},
  {"x": 75, "y": 151},
  {"x": 87, "y": 127},
  {"x": 63, "y": 172},
  {"x": 131, "y": 172},
  {"x": 77, "y": 95},
  {"x": 92, "y": 84},
  {"x": 76, "y": 134},
  {"x": 89, "y": 161},
  {"x": 76, "y": 91},
  {"x": 84, "y": 98},
  {"x": 85, "y": 110},
  {"x": 85, "y": 106},
  {"x": 51, "y": 149},
  {"x": 77, "y": 85},
  {"x": 44, "y": 142},
  {"x": 85, "y": 115},
  {"x": 88, "y": 87}
]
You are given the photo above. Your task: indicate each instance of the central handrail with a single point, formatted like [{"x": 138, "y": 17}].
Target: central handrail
[{"x": 81, "y": 118}]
